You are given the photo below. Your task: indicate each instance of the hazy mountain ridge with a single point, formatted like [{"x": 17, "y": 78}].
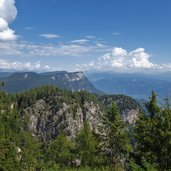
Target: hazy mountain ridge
[
  {"x": 21, "y": 81},
  {"x": 136, "y": 85}
]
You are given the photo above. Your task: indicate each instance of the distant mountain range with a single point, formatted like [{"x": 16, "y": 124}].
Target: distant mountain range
[
  {"x": 136, "y": 85},
  {"x": 21, "y": 81}
]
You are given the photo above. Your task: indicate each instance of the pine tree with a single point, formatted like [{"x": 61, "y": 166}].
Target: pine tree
[
  {"x": 115, "y": 141},
  {"x": 153, "y": 136},
  {"x": 17, "y": 147},
  {"x": 163, "y": 137},
  {"x": 29, "y": 151},
  {"x": 152, "y": 106},
  {"x": 60, "y": 151},
  {"x": 86, "y": 145},
  {"x": 9, "y": 130}
]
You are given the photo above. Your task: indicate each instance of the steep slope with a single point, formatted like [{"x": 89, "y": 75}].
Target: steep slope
[
  {"x": 51, "y": 110},
  {"x": 74, "y": 81}
]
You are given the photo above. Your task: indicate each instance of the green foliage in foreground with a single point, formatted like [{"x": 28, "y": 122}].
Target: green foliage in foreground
[
  {"x": 147, "y": 149},
  {"x": 153, "y": 136},
  {"x": 116, "y": 141},
  {"x": 79, "y": 169}
]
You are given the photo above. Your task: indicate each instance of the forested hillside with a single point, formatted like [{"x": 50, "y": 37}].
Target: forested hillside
[
  {"x": 22, "y": 81},
  {"x": 50, "y": 129}
]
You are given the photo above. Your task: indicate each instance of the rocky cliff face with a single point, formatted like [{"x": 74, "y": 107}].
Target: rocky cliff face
[
  {"x": 47, "y": 117},
  {"x": 47, "y": 122},
  {"x": 129, "y": 108},
  {"x": 130, "y": 116}
]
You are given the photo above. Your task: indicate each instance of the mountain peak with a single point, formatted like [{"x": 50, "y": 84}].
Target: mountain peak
[{"x": 74, "y": 81}]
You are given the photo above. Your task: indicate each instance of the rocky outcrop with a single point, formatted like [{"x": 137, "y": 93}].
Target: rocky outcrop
[
  {"x": 130, "y": 116},
  {"x": 47, "y": 122},
  {"x": 51, "y": 111}
]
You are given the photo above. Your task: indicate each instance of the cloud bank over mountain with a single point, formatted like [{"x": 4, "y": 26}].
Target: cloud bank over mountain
[
  {"x": 120, "y": 59},
  {"x": 85, "y": 51},
  {"x": 117, "y": 60},
  {"x": 6, "y": 65},
  {"x": 8, "y": 13}
]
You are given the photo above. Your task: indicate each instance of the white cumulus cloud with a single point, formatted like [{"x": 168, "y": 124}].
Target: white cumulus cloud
[
  {"x": 119, "y": 52},
  {"x": 140, "y": 59},
  {"x": 120, "y": 59},
  {"x": 8, "y": 13}
]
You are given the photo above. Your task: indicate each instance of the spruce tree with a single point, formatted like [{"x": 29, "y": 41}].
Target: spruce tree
[
  {"x": 152, "y": 105},
  {"x": 115, "y": 140},
  {"x": 153, "y": 136},
  {"x": 60, "y": 151},
  {"x": 9, "y": 131},
  {"x": 86, "y": 146}
]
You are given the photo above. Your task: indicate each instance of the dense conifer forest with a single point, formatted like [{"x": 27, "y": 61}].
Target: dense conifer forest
[{"x": 143, "y": 146}]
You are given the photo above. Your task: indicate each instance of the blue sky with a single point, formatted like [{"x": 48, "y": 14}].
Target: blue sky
[{"x": 119, "y": 35}]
